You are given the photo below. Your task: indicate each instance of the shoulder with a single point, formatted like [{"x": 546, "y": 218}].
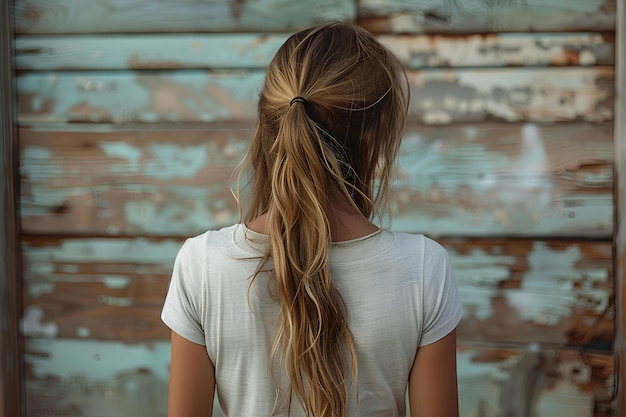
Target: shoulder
[
  {"x": 213, "y": 238},
  {"x": 420, "y": 244},
  {"x": 196, "y": 248},
  {"x": 428, "y": 254}
]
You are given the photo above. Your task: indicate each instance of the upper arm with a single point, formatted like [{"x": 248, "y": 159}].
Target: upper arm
[
  {"x": 433, "y": 380},
  {"x": 192, "y": 380}
]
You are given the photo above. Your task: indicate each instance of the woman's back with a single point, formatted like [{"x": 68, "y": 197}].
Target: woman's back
[{"x": 399, "y": 294}]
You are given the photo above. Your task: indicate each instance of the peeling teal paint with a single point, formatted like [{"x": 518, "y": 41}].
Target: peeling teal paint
[
  {"x": 75, "y": 16},
  {"x": 83, "y": 332},
  {"x": 134, "y": 378},
  {"x": 122, "y": 150},
  {"x": 478, "y": 274},
  {"x": 33, "y": 324},
  {"x": 234, "y": 50},
  {"x": 554, "y": 284},
  {"x": 175, "y": 161},
  {"x": 97, "y": 360},
  {"x": 527, "y": 183},
  {"x": 438, "y": 97},
  {"x": 479, "y": 16},
  {"x": 31, "y": 164},
  {"x": 112, "y": 281},
  {"x": 255, "y": 50},
  {"x": 115, "y": 301},
  {"x": 121, "y": 250}
]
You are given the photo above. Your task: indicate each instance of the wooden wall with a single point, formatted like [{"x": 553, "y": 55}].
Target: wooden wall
[{"x": 132, "y": 116}]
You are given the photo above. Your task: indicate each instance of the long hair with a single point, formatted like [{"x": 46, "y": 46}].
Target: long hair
[{"x": 338, "y": 144}]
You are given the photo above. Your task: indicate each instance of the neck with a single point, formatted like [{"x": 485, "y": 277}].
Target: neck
[{"x": 345, "y": 223}]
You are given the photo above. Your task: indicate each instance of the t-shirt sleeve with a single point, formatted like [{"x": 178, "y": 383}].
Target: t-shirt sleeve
[
  {"x": 442, "y": 306},
  {"x": 182, "y": 311}
]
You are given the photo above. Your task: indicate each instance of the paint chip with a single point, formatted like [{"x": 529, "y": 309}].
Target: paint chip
[
  {"x": 83, "y": 332},
  {"x": 32, "y": 324}
]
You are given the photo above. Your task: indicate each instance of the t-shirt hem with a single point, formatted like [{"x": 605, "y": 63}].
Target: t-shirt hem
[
  {"x": 181, "y": 330},
  {"x": 443, "y": 330}
]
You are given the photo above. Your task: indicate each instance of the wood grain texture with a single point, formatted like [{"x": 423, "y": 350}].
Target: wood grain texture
[
  {"x": 11, "y": 348},
  {"x": 96, "y": 379},
  {"x": 249, "y": 50},
  {"x": 513, "y": 291},
  {"x": 149, "y": 16},
  {"x": 468, "y": 16},
  {"x": 97, "y": 288},
  {"x": 495, "y": 381},
  {"x": 523, "y": 291},
  {"x": 144, "y": 181},
  {"x": 506, "y": 180},
  {"x": 486, "y": 180},
  {"x": 85, "y": 378},
  {"x": 620, "y": 206},
  {"x": 502, "y": 49},
  {"x": 437, "y": 96}
]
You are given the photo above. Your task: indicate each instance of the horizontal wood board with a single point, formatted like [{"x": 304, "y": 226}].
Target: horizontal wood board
[
  {"x": 439, "y": 16},
  {"x": 243, "y": 50},
  {"x": 513, "y": 290},
  {"x": 150, "y": 16},
  {"x": 468, "y": 16},
  {"x": 132, "y": 380},
  {"x": 495, "y": 179},
  {"x": 437, "y": 96}
]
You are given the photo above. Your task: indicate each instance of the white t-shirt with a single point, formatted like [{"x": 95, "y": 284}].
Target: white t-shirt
[{"x": 399, "y": 290}]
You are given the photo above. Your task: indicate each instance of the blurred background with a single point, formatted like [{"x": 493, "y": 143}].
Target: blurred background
[{"x": 132, "y": 114}]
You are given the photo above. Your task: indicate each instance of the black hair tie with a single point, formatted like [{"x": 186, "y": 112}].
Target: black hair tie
[{"x": 297, "y": 99}]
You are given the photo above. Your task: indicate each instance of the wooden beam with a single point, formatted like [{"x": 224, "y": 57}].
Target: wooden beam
[
  {"x": 620, "y": 203},
  {"x": 131, "y": 379},
  {"x": 472, "y": 16},
  {"x": 438, "y": 96},
  {"x": 255, "y": 50},
  {"x": 148, "y": 16},
  {"x": 553, "y": 292},
  {"x": 433, "y": 16},
  {"x": 461, "y": 180},
  {"x": 11, "y": 393}
]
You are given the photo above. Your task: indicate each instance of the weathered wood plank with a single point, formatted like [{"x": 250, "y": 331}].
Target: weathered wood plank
[
  {"x": 112, "y": 52},
  {"x": 96, "y": 288},
  {"x": 121, "y": 97},
  {"x": 523, "y": 291},
  {"x": 517, "y": 180},
  {"x": 487, "y": 180},
  {"x": 211, "y": 51},
  {"x": 514, "y": 291},
  {"x": 445, "y": 16},
  {"x": 96, "y": 379},
  {"x": 163, "y": 182},
  {"x": 86, "y": 378},
  {"x": 620, "y": 205},
  {"x": 437, "y": 97},
  {"x": 501, "y": 50},
  {"x": 537, "y": 382},
  {"x": 79, "y": 16}
]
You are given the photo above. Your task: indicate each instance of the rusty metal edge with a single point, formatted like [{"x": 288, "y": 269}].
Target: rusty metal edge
[
  {"x": 12, "y": 393},
  {"x": 620, "y": 205}
]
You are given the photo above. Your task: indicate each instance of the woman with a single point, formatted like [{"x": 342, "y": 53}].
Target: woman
[{"x": 307, "y": 308}]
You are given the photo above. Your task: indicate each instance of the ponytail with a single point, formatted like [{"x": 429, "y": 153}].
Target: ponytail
[{"x": 311, "y": 329}]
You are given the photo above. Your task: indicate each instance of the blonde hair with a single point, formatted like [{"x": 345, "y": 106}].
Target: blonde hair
[{"x": 340, "y": 141}]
